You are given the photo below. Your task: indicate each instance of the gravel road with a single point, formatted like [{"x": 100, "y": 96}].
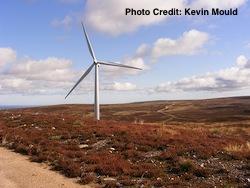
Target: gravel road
[{"x": 16, "y": 171}]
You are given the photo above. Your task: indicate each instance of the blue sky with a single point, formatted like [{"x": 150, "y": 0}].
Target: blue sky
[{"x": 43, "y": 51}]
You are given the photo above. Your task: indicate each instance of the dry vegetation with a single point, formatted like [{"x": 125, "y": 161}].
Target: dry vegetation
[{"x": 161, "y": 144}]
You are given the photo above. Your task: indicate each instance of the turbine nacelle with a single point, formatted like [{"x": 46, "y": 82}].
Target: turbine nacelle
[{"x": 96, "y": 64}]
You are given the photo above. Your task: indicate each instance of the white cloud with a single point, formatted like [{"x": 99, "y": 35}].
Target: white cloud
[
  {"x": 124, "y": 86},
  {"x": 7, "y": 55},
  {"x": 117, "y": 86},
  {"x": 112, "y": 72},
  {"x": 16, "y": 83},
  {"x": 229, "y": 79},
  {"x": 190, "y": 43},
  {"x": 109, "y": 15},
  {"x": 54, "y": 75},
  {"x": 242, "y": 62},
  {"x": 52, "y": 68},
  {"x": 142, "y": 50},
  {"x": 66, "y": 22},
  {"x": 28, "y": 76}
]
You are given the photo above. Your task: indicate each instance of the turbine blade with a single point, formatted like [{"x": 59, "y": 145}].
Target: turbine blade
[
  {"x": 118, "y": 65},
  {"x": 88, "y": 42},
  {"x": 83, "y": 76}
]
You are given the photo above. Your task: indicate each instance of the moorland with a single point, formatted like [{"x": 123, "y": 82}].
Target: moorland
[{"x": 182, "y": 143}]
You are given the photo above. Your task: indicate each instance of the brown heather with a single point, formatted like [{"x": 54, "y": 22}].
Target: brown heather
[{"x": 171, "y": 148}]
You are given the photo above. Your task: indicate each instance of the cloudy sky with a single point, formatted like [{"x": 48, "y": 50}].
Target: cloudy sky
[{"x": 43, "y": 51}]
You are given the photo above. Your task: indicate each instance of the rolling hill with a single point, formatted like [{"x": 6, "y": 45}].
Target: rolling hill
[{"x": 196, "y": 143}]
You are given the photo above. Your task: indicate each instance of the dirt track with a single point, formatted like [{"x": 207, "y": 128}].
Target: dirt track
[{"x": 17, "y": 172}]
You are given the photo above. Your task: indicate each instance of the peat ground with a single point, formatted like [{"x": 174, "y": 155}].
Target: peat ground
[{"x": 200, "y": 143}]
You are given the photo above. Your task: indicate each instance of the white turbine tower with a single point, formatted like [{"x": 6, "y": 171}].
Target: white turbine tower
[{"x": 96, "y": 64}]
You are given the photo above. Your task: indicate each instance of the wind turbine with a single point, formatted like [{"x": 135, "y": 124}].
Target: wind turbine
[{"x": 96, "y": 64}]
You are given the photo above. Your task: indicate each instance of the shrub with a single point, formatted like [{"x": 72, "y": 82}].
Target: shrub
[
  {"x": 128, "y": 182},
  {"x": 145, "y": 170},
  {"x": 68, "y": 168},
  {"x": 112, "y": 167},
  {"x": 77, "y": 123},
  {"x": 131, "y": 154},
  {"x": 185, "y": 166},
  {"x": 238, "y": 151},
  {"x": 87, "y": 178},
  {"x": 234, "y": 148},
  {"x": 201, "y": 172}
]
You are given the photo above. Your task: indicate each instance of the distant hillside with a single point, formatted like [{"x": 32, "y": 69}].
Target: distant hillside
[{"x": 220, "y": 109}]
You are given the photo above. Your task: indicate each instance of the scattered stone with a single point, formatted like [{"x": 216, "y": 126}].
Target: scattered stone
[
  {"x": 82, "y": 146},
  {"x": 152, "y": 154},
  {"x": 100, "y": 144},
  {"x": 109, "y": 179},
  {"x": 38, "y": 128},
  {"x": 158, "y": 179},
  {"x": 118, "y": 184}
]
